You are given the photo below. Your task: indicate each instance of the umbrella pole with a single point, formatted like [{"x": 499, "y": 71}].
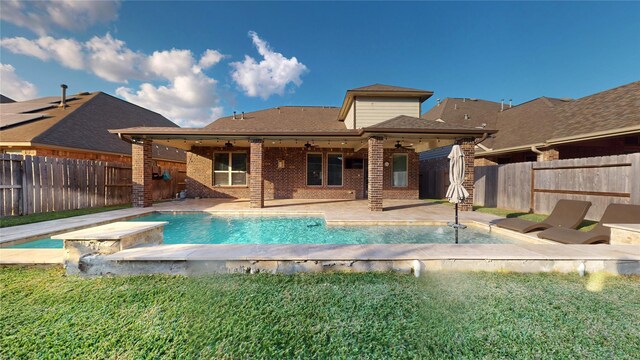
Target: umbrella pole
[{"x": 456, "y": 225}]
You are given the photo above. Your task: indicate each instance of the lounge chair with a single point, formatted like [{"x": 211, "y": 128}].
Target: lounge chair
[
  {"x": 600, "y": 234},
  {"x": 566, "y": 214}
]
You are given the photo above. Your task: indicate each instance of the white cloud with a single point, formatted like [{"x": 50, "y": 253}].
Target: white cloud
[
  {"x": 13, "y": 86},
  {"x": 188, "y": 96},
  {"x": 43, "y": 16},
  {"x": 269, "y": 76},
  {"x": 67, "y": 52},
  {"x": 210, "y": 58},
  {"x": 113, "y": 61},
  {"x": 186, "y": 100}
]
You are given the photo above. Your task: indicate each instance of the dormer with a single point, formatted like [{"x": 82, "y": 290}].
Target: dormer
[{"x": 370, "y": 105}]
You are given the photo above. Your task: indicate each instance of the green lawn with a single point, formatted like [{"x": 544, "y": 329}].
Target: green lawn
[
  {"x": 442, "y": 315},
  {"x": 585, "y": 226},
  {"x": 34, "y": 218}
]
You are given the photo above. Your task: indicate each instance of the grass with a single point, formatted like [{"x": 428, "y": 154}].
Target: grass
[
  {"x": 441, "y": 315},
  {"x": 34, "y": 218},
  {"x": 586, "y": 225}
]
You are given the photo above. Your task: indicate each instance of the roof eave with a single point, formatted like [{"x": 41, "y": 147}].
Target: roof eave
[
  {"x": 595, "y": 135},
  {"x": 191, "y": 132}
]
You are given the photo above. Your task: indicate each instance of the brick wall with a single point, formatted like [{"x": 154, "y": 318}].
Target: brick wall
[
  {"x": 548, "y": 155},
  {"x": 142, "y": 185},
  {"x": 413, "y": 182},
  {"x": 467, "y": 146},
  {"x": 290, "y": 182},
  {"x": 256, "y": 183},
  {"x": 376, "y": 172}
]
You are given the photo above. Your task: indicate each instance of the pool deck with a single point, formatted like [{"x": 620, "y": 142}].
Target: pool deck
[{"x": 529, "y": 255}]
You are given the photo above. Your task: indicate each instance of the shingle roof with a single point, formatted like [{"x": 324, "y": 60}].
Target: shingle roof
[
  {"x": 410, "y": 123},
  {"x": 414, "y": 124},
  {"x": 84, "y": 125},
  {"x": 606, "y": 110},
  {"x": 530, "y": 123},
  {"x": 284, "y": 118},
  {"x": 453, "y": 110}
]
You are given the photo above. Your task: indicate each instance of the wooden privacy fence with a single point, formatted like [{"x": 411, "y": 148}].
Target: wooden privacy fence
[
  {"x": 537, "y": 186},
  {"x": 37, "y": 184}
]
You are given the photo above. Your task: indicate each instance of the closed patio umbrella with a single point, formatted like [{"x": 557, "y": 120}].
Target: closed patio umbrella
[{"x": 456, "y": 193}]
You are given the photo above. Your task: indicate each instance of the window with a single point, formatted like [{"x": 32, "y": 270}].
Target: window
[
  {"x": 230, "y": 169},
  {"x": 314, "y": 169},
  {"x": 334, "y": 169},
  {"x": 400, "y": 170}
]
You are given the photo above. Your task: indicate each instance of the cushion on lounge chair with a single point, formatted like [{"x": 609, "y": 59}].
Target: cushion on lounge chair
[
  {"x": 521, "y": 225},
  {"x": 613, "y": 214},
  {"x": 570, "y": 236},
  {"x": 566, "y": 214}
]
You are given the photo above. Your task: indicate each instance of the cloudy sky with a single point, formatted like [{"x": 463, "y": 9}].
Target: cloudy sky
[{"x": 196, "y": 61}]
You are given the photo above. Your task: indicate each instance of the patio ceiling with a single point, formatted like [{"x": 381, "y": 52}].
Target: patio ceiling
[
  {"x": 184, "y": 138},
  {"x": 418, "y": 144}
]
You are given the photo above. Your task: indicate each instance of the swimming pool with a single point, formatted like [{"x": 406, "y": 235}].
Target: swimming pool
[{"x": 204, "y": 228}]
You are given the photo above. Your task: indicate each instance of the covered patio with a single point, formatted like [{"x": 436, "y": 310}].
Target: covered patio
[{"x": 372, "y": 163}]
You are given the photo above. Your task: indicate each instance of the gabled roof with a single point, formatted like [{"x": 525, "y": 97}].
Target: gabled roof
[
  {"x": 283, "y": 118},
  {"x": 453, "y": 110},
  {"x": 83, "y": 124},
  {"x": 527, "y": 124}
]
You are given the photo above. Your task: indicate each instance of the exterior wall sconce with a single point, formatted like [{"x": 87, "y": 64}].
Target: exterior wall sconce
[{"x": 280, "y": 163}]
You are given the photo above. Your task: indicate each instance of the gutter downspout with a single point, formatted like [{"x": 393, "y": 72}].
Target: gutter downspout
[
  {"x": 535, "y": 150},
  {"x": 125, "y": 139},
  {"x": 484, "y": 137}
]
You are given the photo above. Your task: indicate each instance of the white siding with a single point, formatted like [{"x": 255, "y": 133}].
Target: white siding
[
  {"x": 373, "y": 110},
  {"x": 349, "y": 120}
]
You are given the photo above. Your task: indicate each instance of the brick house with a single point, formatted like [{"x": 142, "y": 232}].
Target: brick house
[
  {"x": 78, "y": 129},
  {"x": 365, "y": 149}
]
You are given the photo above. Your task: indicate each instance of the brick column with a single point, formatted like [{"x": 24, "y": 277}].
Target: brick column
[
  {"x": 548, "y": 155},
  {"x": 376, "y": 171},
  {"x": 141, "y": 189},
  {"x": 257, "y": 181},
  {"x": 468, "y": 147}
]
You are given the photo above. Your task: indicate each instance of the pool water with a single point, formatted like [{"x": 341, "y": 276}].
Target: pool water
[{"x": 205, "y": 228}]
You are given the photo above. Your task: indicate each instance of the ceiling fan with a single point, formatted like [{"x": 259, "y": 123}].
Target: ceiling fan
[
  {"x": 309, "y": 146},
  {"x": 398, "y": 145},
  {"x": 228, "y": 144}
]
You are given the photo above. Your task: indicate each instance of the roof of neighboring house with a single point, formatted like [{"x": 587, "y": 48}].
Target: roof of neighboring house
[
  {"x": 283, "y": 118},
  {"x": 437, "y": 153},
  {"x": 83, "y": 124},
  {"x": 610, "y": 109},
  {"x": 453, "y": 110},
  {"x": 529, "y": 124},
  {"x": 5, "y": 99},
  {"x": 545, "y": 121}
]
